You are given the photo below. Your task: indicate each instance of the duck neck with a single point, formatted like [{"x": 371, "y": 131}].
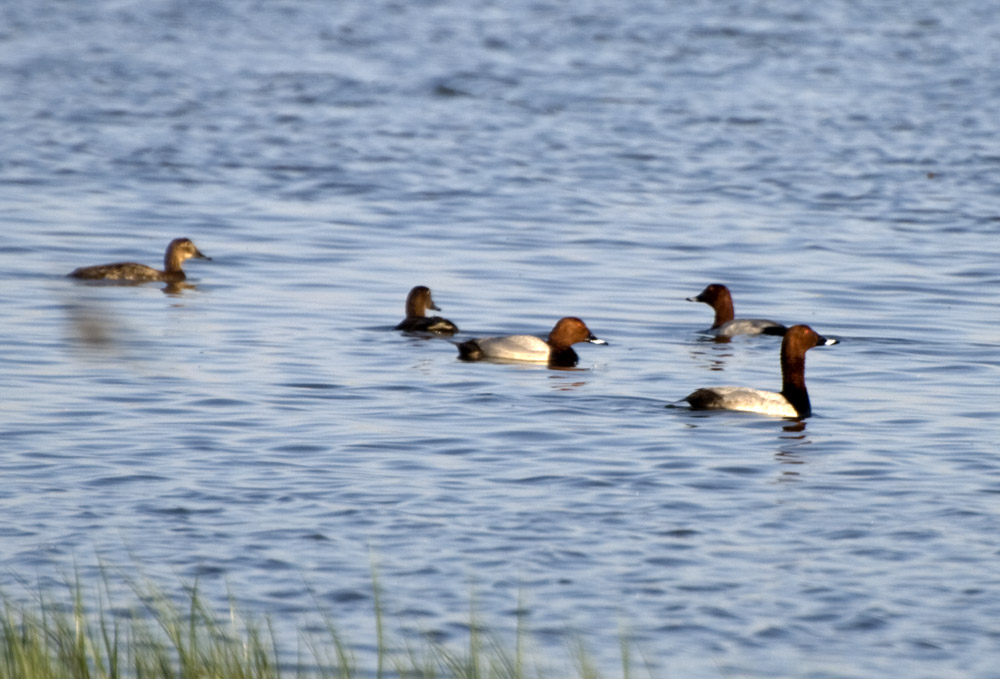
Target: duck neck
[
  {"x": 793, "y": 380},
  {"x": 723, "y": 310},
  {"x": 172, "y": 262},
  {"x": 563, "y": 358}
]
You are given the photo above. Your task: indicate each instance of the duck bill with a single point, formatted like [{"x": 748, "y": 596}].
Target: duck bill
[
  {"x": 200, "y": 255},
  {"x": 595, "y": 340},
  {"x": 825, "y": 342}
]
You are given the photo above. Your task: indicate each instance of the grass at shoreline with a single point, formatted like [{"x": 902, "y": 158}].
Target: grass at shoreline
[{"x": 90, "y": 637}]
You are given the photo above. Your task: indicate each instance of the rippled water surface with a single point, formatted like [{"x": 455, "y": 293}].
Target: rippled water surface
[{"x": 265, "y": 429}]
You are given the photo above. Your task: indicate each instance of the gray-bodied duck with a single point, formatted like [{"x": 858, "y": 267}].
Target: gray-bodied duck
[
  {"x": 791, "y": 401},
  {"x": 726, "y": 324},
  {"x": 557, "y": 350}
]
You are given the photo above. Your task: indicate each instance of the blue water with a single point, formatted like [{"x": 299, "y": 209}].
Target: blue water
[{"x": 268, "y": 433}]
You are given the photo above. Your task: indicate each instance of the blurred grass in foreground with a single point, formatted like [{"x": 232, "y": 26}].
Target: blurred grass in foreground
[{"x": 89, "y": 637}]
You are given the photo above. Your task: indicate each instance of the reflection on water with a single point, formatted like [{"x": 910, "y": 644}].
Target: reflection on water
[
  {"x": 89, "y": 324},
  {"x": 560, "y": 384},
  {"x": 92, "y": 323},
  {"x": 714, "y": 360},
  {"x": 177, "y": 288},
  {"x": 174, "y": 288},
  {"x": 792, "y": 453},
  {"x": 795, "y": 428}
]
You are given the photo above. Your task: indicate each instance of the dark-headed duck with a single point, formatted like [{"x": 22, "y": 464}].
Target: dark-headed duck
[
  {"x": 557, "y": 350},
  {"x": 726, "y": 324},
  {"x": 791, "y": 401}
]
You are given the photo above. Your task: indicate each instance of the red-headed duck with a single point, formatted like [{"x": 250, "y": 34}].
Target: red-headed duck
[
  {"x": 557, "y": 350},
  {"x": 792, "y": 401},
  {"x": 726, "y": 324},
  {"x": 417, "y": 303},
  {"x": 178, "y": 251}
]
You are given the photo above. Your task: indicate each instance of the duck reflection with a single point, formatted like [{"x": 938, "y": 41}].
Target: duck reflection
[
  {"x": 172, "y": 288},
  {"x": 560, "y": 383},
  {"x": 178, "y": 288},
  {"x": 713, "y": 358},
  {"x": 790, "y": 451},
  {"x": 93, "y": 326}
]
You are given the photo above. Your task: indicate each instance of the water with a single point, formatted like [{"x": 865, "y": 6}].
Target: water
[{"x": 266, "y": 430}]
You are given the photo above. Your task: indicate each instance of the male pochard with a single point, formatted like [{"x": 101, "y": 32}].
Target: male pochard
[
  {"x": 792, "y": 401},
  {"x": 417, "y": 303},
  {"x": 726, "y": 324},
  {"x": 557, "y": 350},
  {"x": 178, "y": 251}
]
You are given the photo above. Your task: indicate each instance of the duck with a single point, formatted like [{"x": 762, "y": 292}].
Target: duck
[
  {"x": 556, "y": 350},
  {"x": 726, "y": 324},
  {"x": 791, "y": 401},
  {"x": 178, "y": 251},
  {"x": 417, "y": 303}
]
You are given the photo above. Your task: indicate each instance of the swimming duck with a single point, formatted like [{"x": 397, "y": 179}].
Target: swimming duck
[
  {"x": 557, "y": 350},
  {"x": 791, "y": 401},
  {"x": 178, "y": 251},
  {"x": 726, "y": 324},
  {"x": 417, "y": 303}
]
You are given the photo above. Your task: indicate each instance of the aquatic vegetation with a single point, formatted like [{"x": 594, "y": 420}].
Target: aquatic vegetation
[{"x": 88, "y": 636}]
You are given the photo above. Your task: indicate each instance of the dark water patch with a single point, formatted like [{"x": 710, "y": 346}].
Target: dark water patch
[
  {"x": 206, "y": 571},
  {"x": 893, "y": 555},
  {"x": 867, "y": 621},
  {"x": 177, "y": 511},
  {"x": 772, "y": 633},
  {"x": 864, "y": 473},
  {"x": 847, "y": 534},
  {"x": 165, "y": 410},
  {"x": 12, "y": 532},
  {"x": 669, "y": 562},
  {"x": 681, "y": 533},
  {"x": 219, "y": 403},
  {"x": 300, "y": 448},
  {"x": 125, "y": 479},
  {"x": 715, "y": 484},
  {"x": 534, "y": 480},
  {"x": 917, "y": 535},
  {"x": 740, "y": 471}
]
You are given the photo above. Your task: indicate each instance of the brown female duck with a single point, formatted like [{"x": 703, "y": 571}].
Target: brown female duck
[{"x": 179, "y": 251}]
